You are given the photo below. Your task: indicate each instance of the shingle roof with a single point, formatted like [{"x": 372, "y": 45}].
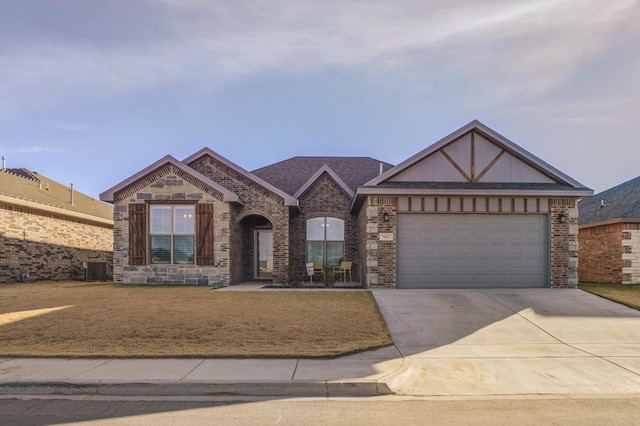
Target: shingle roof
[
  {"x": 30, "y": 186},
  {"x": 290, "y": 175},
  {"x": 619, "y": 202}
]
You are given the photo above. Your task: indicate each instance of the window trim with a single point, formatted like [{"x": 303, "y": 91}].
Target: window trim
[
  {"x": 172, "y": 234},
  {"x": 325, "y": 241}
]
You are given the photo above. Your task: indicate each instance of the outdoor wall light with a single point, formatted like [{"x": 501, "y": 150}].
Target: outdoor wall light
[
  {"x": 562, "y": 218},
  {"x": 385, "y": 217}
]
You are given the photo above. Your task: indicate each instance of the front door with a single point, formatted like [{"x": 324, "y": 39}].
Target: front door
[{"x": 264, "y": 254}]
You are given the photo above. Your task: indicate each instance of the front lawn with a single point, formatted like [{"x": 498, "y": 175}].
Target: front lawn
[
  {"x": 627, "y": 294},
  {"x": 71, "y": 319}
]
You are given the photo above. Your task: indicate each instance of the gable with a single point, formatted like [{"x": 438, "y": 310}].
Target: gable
[
  {"x": 474, "y": 158},
  {"x": 324, "y": 194},
  {"x": 322, "y": 172},
  {"x": 246, "y": 188},
  {"x": 156, "y": 171},
  {"x": 169, "y": 183},
  {"x": 234, "y": 178}
]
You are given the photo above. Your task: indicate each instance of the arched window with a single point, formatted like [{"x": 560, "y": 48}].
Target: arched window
[{"x": 325, "y": 240}]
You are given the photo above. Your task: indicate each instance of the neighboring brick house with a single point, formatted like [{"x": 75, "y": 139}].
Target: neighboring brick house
[
  {"x": 50, "y": 231},
  {"x": 472, "y": 210},
  {"x": 609, "y": 235}
]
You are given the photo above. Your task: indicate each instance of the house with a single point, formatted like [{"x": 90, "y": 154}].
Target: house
[
  {"x": 472, "y": 210},
  {"x": 609, "y": 235},
  {"x": 50, "y": 231}
]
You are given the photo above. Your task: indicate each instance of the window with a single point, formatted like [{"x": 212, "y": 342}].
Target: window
[
  {"x": 172, "y": 234},
  {"x": 325, "y": 240}
]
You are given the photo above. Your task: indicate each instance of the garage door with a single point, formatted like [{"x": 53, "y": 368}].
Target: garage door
[{"x": 472, "y": 250}]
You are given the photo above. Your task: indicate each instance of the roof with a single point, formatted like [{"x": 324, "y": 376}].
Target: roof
[
  {"x": 29, "y": 188},
  {"x": 292, "y": 174},
  {"x": 618, "y": 204},
  {"x": 109, "y": 194}
]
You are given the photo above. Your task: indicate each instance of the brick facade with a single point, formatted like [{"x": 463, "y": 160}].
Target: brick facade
[
  {"x": 50, "y": 246},
  {"x": 380, "y": 254},
  {"x": 370, "y": 236},
  {"x": 610, "y": 253},
  {"x": 563, "y": 267},
  {"x": 260, "y": 202},
  {"x": 324, "y": 198},
  {"x": 473, "y": 171}
]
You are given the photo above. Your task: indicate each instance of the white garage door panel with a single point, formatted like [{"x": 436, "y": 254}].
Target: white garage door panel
[{"x": 458, "y": 250}]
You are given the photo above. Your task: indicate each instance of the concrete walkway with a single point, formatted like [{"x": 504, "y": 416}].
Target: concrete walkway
[{"x": 447, "y": 343}]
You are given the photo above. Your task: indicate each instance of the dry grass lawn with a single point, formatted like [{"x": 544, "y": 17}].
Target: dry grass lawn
[
  {"x": 627, "y": 294},
  {"x": 71, "y": 319}
]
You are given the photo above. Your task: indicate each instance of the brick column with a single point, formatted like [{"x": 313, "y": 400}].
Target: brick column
[{"x": 563, "y": 268}]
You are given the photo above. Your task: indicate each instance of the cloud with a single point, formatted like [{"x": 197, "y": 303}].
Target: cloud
[{"x": 498, "y": 49}]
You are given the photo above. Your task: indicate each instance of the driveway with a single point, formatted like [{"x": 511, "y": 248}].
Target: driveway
[{"x": 511, "y": 342}]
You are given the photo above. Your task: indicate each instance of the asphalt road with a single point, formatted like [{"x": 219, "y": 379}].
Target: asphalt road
[{"x": 319, "y": 411}]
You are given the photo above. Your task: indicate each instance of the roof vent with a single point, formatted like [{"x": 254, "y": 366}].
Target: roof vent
[
  {"x": 4, "y": 163},
  {"x": 381, "y": 169},
  {"x": 71, "y": 189}
]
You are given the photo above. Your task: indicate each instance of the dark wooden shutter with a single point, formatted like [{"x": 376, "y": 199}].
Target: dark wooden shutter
[
  {"x": 137, "y": 234},
  {"x": 204, "y": 234}
]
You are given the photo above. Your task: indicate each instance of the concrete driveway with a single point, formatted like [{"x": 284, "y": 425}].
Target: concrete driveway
[{"x": 511, "y": 342}]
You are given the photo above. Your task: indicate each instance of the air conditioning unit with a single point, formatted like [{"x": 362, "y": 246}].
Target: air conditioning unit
[{"x": 96, "y": 271}]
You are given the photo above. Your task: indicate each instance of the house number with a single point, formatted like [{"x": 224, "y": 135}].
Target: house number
[{"x": 385, "y": 236}]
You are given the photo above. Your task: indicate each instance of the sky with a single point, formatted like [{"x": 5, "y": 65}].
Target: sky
[{"x": 91, "y": 92}]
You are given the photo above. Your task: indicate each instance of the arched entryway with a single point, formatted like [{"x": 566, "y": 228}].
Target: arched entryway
[{"x": 257, "y": 248}]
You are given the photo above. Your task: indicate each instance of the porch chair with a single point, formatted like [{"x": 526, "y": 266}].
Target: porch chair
[
  {"x": 318, "y": 268},
  {"x": 345, "y": 269}
]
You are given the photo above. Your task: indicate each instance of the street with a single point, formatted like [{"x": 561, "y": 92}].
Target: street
[{"x": 562, "y": 410}]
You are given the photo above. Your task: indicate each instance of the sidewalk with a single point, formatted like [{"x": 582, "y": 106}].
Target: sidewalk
[{"x": 356, "y": 375}]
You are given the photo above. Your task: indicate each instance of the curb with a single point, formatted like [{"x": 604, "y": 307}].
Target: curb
[{"x": 319, "y": 388}]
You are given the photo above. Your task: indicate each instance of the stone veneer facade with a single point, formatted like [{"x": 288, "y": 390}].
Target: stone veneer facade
[
  {"x": 610, "y": 253},
  {"x": 50, "y": 246},
  {"x": 380, "y": 255},
  {"x": 170, "y": 184}
]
